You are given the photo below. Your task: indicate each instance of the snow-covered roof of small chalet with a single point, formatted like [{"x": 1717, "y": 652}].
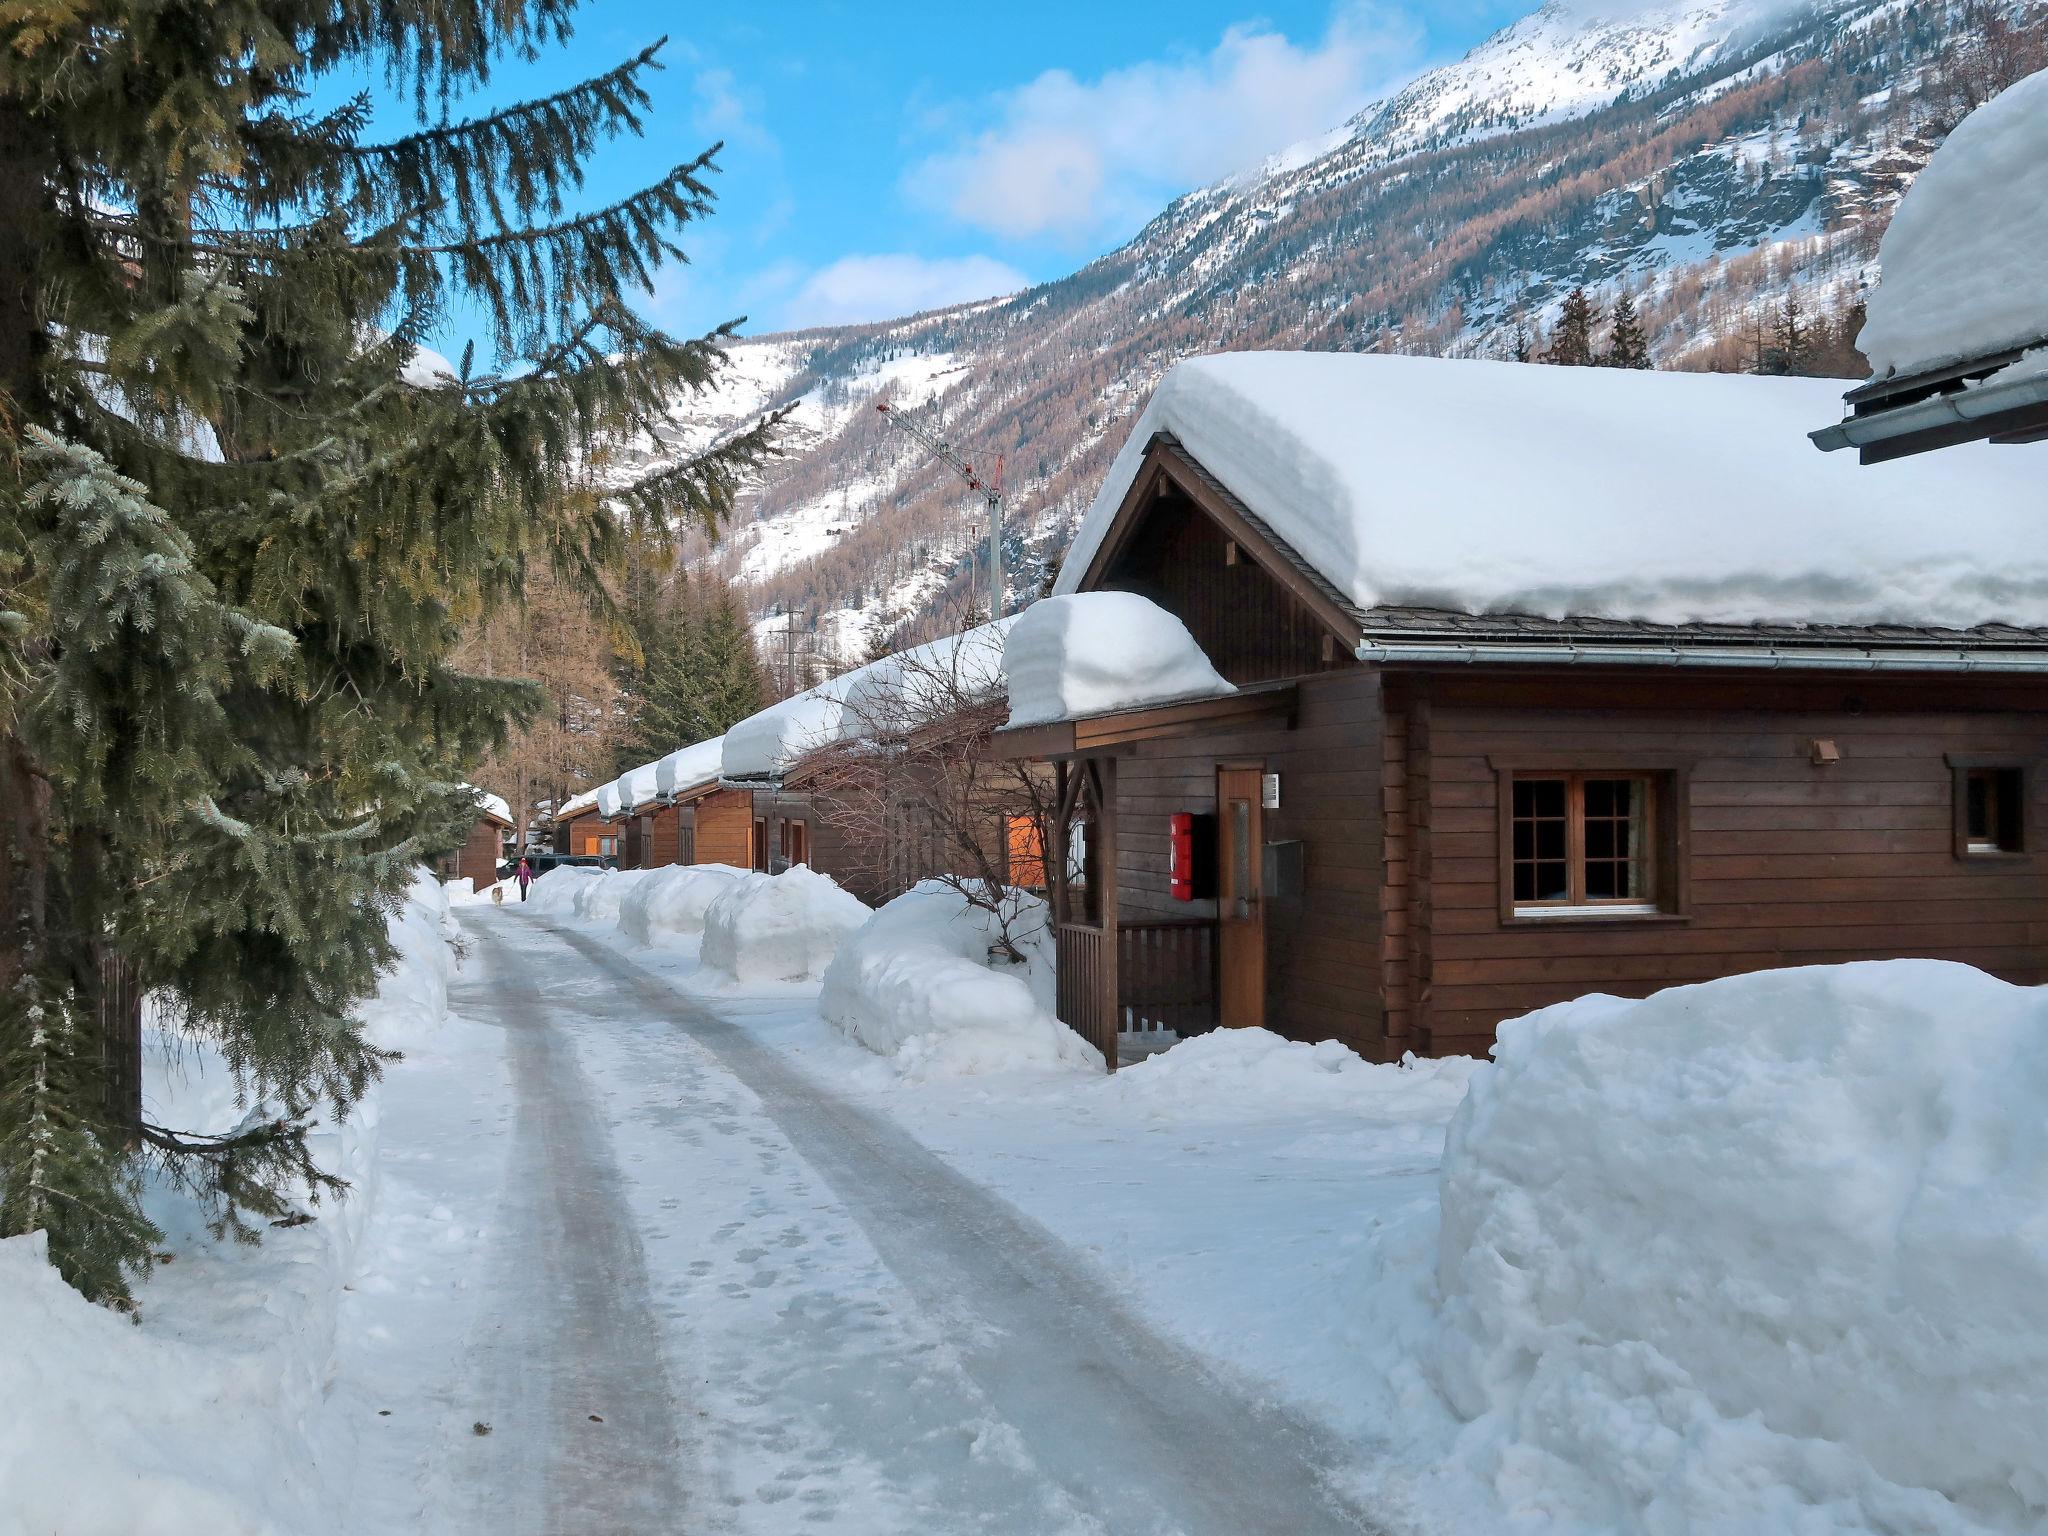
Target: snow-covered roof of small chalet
[
  {"x": 765, "y": 746},
  {"x": 609, "y": 801},
  {"x": 1092, "y": 653},
  {"x": 690, "y": 767},
  {"x": 577, "y": 805},
  {"x": 1965, "y": 258},
  {"x": 490, "y": 805},
  {"x": 1452, "y": 488}
]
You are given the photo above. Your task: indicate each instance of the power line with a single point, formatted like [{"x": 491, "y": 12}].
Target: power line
[{"x": 990, "y": 493}]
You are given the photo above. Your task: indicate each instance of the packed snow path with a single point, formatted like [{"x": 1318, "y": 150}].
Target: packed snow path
[{"x": 789, "y": 1315}]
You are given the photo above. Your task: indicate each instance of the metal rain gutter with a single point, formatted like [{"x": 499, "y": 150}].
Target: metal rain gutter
[
  {"x": 1990, "y": 398},
  {"x": 1730, "y": 658}
]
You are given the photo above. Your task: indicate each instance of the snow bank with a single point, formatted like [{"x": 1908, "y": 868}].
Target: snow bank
[
  {"x": 204, "y": 1420},
  {"x": 1236, "y": 1073},
  {"x": 782, "y": 927},
  {"x": 1510, "y": 488},
  {"x": 917, "y": 984},
  {"x": 1965, "y": 260},
  {"x": 1093, "y": 652},
  {"x": 599, "y": 900},
  {"x": 556, "y": 890},
  {"x": 1766, "y": 1254},
  {"x": 672, "y": 903}
]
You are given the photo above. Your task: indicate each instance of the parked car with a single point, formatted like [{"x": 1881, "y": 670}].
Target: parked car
[{"x": 541, "y": 863}]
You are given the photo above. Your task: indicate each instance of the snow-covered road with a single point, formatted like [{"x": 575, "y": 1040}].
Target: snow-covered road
[{"x": 788, "y": 1315}]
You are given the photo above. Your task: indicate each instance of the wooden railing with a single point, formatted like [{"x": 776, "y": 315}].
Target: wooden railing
[
  {"x": 1166, "y": 975},
  {"x": 1087, "y": 980}
]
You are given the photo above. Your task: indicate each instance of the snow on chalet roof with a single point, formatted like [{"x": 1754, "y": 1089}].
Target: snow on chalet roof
[
  {"x": 1965, "y": 260},
  {"x": 637, "y": 787},
  {"x": 1094, "y": 652},
  {"x": 1506, "y": 488},
  {"x": 491, "y": 805},
  {"x": 692, "y": 766},
  {"x": 766, "y": 745},
  {"x": 576, "y": 805}
]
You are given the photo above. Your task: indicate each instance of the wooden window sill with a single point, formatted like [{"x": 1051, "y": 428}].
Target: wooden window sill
[{"x": 1581, "y": 917}]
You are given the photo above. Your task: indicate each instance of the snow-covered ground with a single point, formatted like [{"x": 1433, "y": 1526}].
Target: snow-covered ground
[{"x": 641, "y": 1246}]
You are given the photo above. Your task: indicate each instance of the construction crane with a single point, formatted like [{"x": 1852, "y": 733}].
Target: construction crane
[{"x": 990, "y": 493}]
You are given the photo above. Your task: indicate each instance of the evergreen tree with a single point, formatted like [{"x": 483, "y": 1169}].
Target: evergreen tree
[
  {"x": 697, "y": 676},
  {"x": 1792, "y": 336},
  {"x": 1571, "y": 344},
  {"x": 242, "y": 529},
  {"x": 1627, "y": 346}
]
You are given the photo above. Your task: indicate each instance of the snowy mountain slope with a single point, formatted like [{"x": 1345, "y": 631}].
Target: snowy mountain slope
[{"x": 1710, "y": 157}]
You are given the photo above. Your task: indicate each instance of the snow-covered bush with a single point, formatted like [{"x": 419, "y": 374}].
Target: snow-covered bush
[
  {"x": 1765, "y": 1254},
  {"x": 784, "y": 927},
  {"x": 917, "y": 984},
  {"x": 672, "y": 903}
]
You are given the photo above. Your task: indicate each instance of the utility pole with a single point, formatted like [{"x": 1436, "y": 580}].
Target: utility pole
[
  {"x": 790, "y": 616},
  {"x": 992, "y": 494}
]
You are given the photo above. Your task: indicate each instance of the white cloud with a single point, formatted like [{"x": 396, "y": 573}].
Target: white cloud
[
  {"x": 882, "y": 287},
  {"x": 1070, "y": 157}
]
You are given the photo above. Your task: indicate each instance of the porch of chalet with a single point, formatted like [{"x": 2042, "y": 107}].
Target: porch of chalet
[{"x": 1133, "y": 985}]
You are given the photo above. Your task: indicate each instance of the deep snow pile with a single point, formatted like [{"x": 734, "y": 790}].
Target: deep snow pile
[
  {"x": 1092, "y": 652},
  {"x": 672, "y": 903},
  {"x": 918, "y": 984},
  {"x": 599, "y": 900},
  {"x": 1965, "y": 259},
  {"x": 1368, "y": 467},
  {"x": 779, "y": 928},
  {"x": 1234, "y": 1072},
  {"x": 1767, "y": 1254},
  {"x": 201, "y": 1421},
  {"x": 556, "y": 889}
]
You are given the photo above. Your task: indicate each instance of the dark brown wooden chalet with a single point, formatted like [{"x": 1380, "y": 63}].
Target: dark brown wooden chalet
[
  {"x": 1426, "y": 822},
  {"x": 478, "y": 857}
]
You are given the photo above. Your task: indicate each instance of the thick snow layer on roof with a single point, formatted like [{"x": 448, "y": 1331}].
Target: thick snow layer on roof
[
  {"x": 692, "y": 766},
  {"x": 609, "y": 799},
  {"x": 639, "y": 786},
  {"x": 489, "y": 804},
  {"x": 1965, "y": 260},
  {"x": 968, "y": 665},
  {"x": 576, "y": 805},
  {"x": 1092, "y": 652},
  {"x": 1515, "y": 488}
]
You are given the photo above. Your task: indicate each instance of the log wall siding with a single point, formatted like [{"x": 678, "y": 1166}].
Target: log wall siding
[
  {"x": 477, "y": 859},
  {"x": 723, "y": 822},
  {"x": 1250, "y": 626},
  {"x": 664, "y": 837},
  {"x": 1323, "y": 951},
  {"x": 1789, "y": 863}
]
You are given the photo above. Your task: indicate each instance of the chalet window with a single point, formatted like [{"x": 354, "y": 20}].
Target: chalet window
[
  {"x": 1025, "y": 844},
  {"x": 1991, "y": 801},
  {"x": 758, "y": 853},
  {"x": 1591, "y": 844}
]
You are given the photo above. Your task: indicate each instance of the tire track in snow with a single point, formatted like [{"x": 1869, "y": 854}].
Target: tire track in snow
[
  {"x": 1145, "y": 1435},
  {"x": 570, "y": 1331}
]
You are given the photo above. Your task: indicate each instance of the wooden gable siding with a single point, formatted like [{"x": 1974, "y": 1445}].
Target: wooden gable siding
[
  {"x": 1788, "y": 863},
  {"x": 477, "y": 859},
  {"x": 1323, "y": 966},
  {"x": 723, "y": 822},
  {"x": 1251, "y": 626}
]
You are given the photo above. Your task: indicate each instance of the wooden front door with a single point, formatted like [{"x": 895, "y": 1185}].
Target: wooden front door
[{"x": 1240, "y": 909}]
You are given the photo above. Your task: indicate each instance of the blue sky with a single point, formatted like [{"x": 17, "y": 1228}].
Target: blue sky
[{"x": 885, "y": 157}]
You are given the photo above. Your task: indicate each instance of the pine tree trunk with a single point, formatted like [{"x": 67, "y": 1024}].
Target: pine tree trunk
[{"x": 24, "y": 793}]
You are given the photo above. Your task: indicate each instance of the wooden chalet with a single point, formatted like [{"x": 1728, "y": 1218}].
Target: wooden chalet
[
  {"x": 478, "y": 857},
  {"x": 583, "y": 831},
  {"x": 1411, "y": 822}
]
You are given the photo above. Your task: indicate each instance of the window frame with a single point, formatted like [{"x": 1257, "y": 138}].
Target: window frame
[
  {"x": 1666, "y": 856},
  {"x": 1962, "y": 768}
]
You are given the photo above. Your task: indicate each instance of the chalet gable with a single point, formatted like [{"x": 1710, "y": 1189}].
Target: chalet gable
[{"x": 1256, "y": 608}]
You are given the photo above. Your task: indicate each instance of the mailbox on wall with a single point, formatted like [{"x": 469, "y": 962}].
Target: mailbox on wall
[{"x": 1191, "y": 856}]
